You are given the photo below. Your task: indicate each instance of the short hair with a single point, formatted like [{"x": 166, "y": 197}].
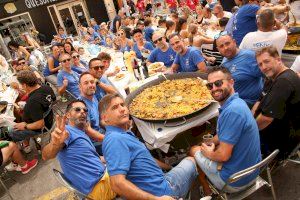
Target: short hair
[
  {"x": 271, "y": 50},
  {"x": 106, "y": 100},
  {"x": 222, "y": 69},
  {"x": 147, "y": 22},
  {"x": 92, "y": 60},
  {"x": 266, "y": 18},
  {"x": 80, "y": 48},
  {"x": 175, "y": 15},
  {"x": 54, "y": 45},
  {"x": 161, "y": 21},
  {"x": 104, "y": 56},
  {"x": 135, "y": 31},
  {"x": 174, "y": 35},
  {"x": 27, "y": 77},
  {"x": 63, "y": 54},
  {"x": 13, "y": 44},
  {"x": 223, "y": 21},
  {"x": 70, "y": 105},
  {"x": 60, "y": 28},
  {"x": 22, "y": 58},
  {"x": 169, "y": 24},
  {"x": 83, "y": 74}
]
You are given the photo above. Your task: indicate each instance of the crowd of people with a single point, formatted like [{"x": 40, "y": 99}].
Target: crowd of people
[{"x": 100, "y": 156}]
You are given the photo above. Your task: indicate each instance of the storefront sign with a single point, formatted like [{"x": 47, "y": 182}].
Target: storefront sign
[{"x": 37, "y": 3}]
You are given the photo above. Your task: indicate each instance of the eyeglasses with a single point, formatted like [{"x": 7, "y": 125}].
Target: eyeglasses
[
  {"x": 158, "y": 40},
  {"x": 223, "y": 33},
  {"x": 22, "y": 63},
  {"x": 119, "y": 34},
  {"x": 66, "y": 60},
  {"x": 98, "y": 67},
  {"x": 77, "y": 56},
  {"x": 78, "y": 109},
  {"x": 217, "y": 83}
]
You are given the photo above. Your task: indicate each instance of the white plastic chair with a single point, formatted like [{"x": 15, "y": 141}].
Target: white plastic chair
[{"x": 259, "y": 182}]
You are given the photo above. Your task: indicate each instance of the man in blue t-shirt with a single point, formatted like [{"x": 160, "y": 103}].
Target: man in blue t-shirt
[
  {"x": 77, "y": 156},
  {"x": 188, "y": 59},
  {"x": 236, "y": 146},
  {"x": 243, "y": 66},
  {"x": 148, "y": 32},
  {"x": 134, "y": 173},
  {"x": 97, "y": 69},
  {"x": 163, "y": 52}
]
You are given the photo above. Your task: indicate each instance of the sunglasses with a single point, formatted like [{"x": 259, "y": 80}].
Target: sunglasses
[
  {"x": 77, "y": 56},
  {"x": 21, "y": 63},
  {"x": 158, "y": 40},
  {"x": 217, "y": 83},
  {"x": 223, "y": 33},
  {"x": 119, "y": 34},
  {"x": 98, "y": 67},
  {"x": 66, "y": 60},
  {"x": 78, "y": 109}
]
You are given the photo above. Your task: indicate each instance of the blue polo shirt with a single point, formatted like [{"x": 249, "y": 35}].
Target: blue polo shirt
[
  {"x": 79, "y": 161},
  {"x": 237, "y": 126},
  {"x": 99, "y": 91},
  {"x": 248, "y": 79},
  {"x": 126, "y": 155},
  {"x": 168, "y": 57},
  {"x": 148, "y": 33},
  {"x": 148, "y": 45},
  {"x": 93, "y": 112},
  {"x": 73, "y": 81},
  {"x": 189, "y": 61},
  {"x": 244, "y": 22}
]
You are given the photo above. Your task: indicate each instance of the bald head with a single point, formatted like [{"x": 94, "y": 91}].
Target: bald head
[{"x": 227, "y": 46}]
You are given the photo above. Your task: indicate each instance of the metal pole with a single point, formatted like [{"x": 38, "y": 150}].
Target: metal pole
[{"x": 4, "y": 48}]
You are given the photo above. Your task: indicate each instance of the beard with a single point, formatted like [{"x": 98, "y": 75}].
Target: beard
[{"x": 221, "y": 95}]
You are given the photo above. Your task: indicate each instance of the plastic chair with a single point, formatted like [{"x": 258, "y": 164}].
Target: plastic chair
[
  {"x": 258, "y": 183},
  {"x": 62, "y": 179}
]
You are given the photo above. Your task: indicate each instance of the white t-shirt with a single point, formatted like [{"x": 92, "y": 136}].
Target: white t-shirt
[
  {"x": 295, "y": 8},
  {"x": 212, "y": 20},
  {"x": 227, "y": 14},
  {"x": 296, "y": 65},
  {"x": 3, "y": 64},
  {"x": 259, "y": 39}
]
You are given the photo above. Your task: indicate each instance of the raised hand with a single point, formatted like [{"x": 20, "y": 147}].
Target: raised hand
[{"x": 59, "y": 135}]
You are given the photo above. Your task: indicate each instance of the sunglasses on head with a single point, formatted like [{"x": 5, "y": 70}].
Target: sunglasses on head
[
  {"x": 223, "y": 33},
  {"x": 78, "y": 109},
  {"x": 158, "y": 40},
  {"x": 66, "y": 60},
  {"x": 98, "y": 67},
  {"x": 217, "y": 83},
  {"x": 77, "y": 56}
]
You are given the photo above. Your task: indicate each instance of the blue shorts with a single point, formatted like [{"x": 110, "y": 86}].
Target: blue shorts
[
  {"x": 182, "y": 177},
  {"x": 210, "y": 169}
]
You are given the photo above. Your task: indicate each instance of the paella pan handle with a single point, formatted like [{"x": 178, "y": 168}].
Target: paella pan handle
[{"x": 174, "y": 124}]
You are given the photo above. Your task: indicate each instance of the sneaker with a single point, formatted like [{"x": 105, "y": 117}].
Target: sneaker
[
  {"x": 29, "y": 166},
  {"x": 213, "y": 196},
  {"x": 27, "y": 149},
  {"x": 13, "y": 167}
]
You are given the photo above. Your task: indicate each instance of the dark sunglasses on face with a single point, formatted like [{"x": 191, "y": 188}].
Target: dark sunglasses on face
[
  {"x": 217, "y": 83},
  {"x": 77, "y": 56},
  {"x": 119, "y": 34},
  {"x": 66, "y": 60},
  {"x": 22, "y": 63},
  {"x": 158, "y": 40},
  {"x": 98, "y": 67},
  {"x": 78, "y": 109}
]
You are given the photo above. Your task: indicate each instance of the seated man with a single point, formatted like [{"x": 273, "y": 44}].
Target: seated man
[
  {"x": 277, "y": 113},
  {"x": 76, "y": 154},
  {"x": 163, "y": 52},
  {"x": 134, "y": 173},
  {"x": 39, "y": 100},
  {"x": 236, "y": 145},
  {"x": 188, "y": 59},
  {"x": 97, "y": 68},
  {"x": 248, "y": 81}
]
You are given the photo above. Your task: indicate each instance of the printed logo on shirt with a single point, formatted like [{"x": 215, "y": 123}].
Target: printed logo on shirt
[
  {"x": 187, "y": 63},
  {"x": 261, "y": 44},
  {"x": 171, "y": 57},
  {"x": 233, "y": 68}
]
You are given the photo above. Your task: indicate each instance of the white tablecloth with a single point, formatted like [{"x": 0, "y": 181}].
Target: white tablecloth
[
  {"x": 158, "y": 135},
  {"x": 7, "y": 118}
]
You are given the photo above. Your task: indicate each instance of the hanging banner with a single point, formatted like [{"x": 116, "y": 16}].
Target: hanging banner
[{"x": 36, "y": 3}]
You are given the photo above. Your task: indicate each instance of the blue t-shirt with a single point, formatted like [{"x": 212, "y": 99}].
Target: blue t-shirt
[
  {"x": 73, "y": 82},
  {"x": 80, "y": 70},
  {"x": 93, "y": 112},
  {"x": 244, "y": 22},
  {"x": 94, "y": 36},
  {"x": 237, "y": 126},
  {"x": 79, "y": 161},
  {"x": 148, "y": 45},
  {"x": 96, "y": 27},
  {"x": 148, "y": 33},
  {"x": 248, "y": 81},
  {"x": 189, "y": 61},
  {"x": 126, "y": 155},
  {"x": 168, "y": 57},
  {"x": 99, "y": 91},
  {"x": 47, "y": 70}
]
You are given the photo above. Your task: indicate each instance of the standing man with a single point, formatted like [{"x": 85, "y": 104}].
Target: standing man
[
  {"x": 134, "y": 173},
  {"x": 188, "y": 59},
  {"x": 116, "y": 23},
  {"x": 277, "y": 113},
  {"x": 163, "y": 52},
  {"x": 236, "y": 145},
  {"x": 96, "y": 68},
  {"x": 243, "y": 67},
  {"x": 266, "y": 35}
]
